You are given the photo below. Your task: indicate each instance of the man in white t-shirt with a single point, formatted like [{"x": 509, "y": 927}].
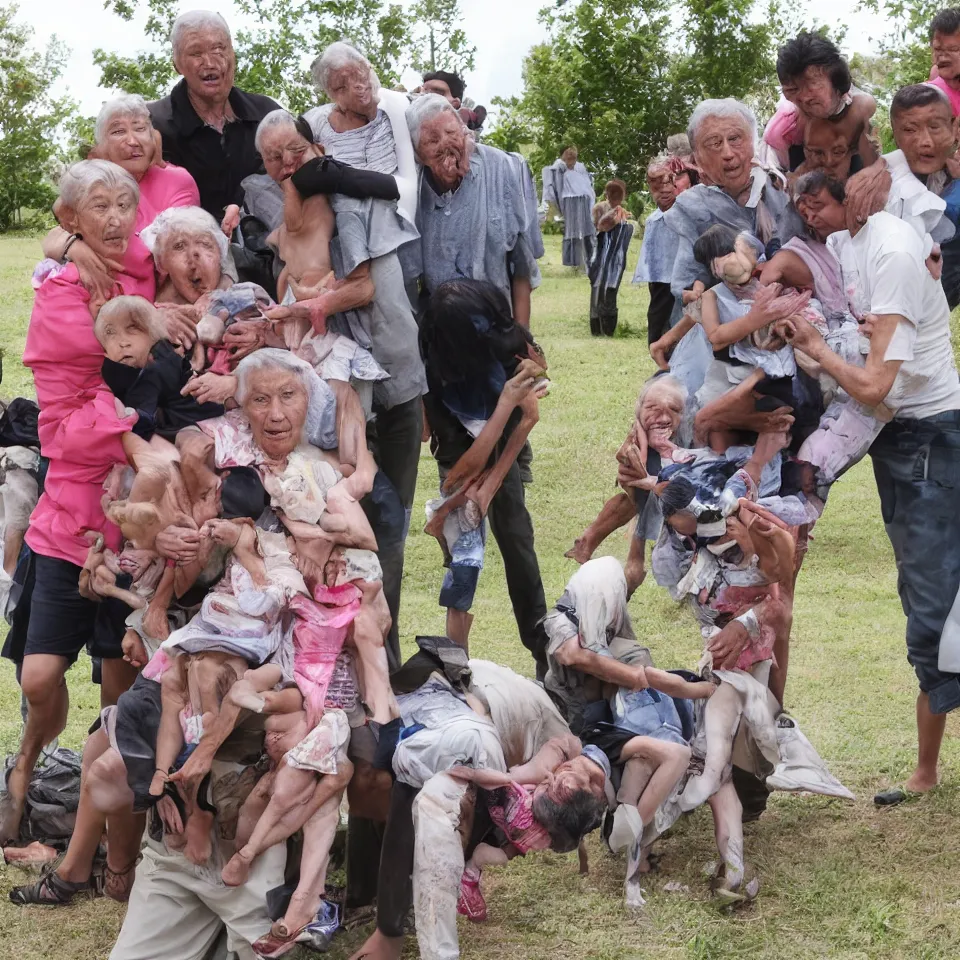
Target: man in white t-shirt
[{"x": 916, "y": 457}]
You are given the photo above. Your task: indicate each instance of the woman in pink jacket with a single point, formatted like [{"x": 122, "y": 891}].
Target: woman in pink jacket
[{"x": 82, "y": 432}]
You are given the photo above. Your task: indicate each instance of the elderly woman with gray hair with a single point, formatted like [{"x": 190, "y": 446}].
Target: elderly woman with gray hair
[
  {"x": 83, "y": 433},
  {"x": 124, "y": 135},
  {"x": 734, "y": 191}
]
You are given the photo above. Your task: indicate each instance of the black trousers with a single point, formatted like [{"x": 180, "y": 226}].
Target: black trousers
[
  {"x": 604, "y": 313},
  {"x": 658, "y": 313},
  {"x": 512, "y": 527},
  {"x": 394, "y": 440}
]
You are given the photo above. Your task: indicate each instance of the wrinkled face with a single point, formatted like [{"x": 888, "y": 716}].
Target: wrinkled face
[
  {"x": 577, "y": 774},
  {"x": 945, "y": 48},
  {"x": 207, "y": 62},
  {"x": 927, "y": 136},
  {"x": 276, "y": 406},
  {"x": 128, "y": 142},
  {"x": 682, "y": 181},
  {"x": 442, "y": 89},
  {"x": 826, "y": 148},
  {"x": 684, "y": 522},
  {"x": 192, "y": 261},
  {"x": 737, "y": 267},
  {"x": 724, "y": 152},
  {"x": 444, "y": 148},
  {"x": 351, "y": 89},
  {"x": 663, "y": 188},
  {"x": 822, "y": 213},
  {"x": 125, "y": 341},
  {"x": 661, "y": 412},
  {"x": 569, "y": 156},
  {"x": 284, "y": 152},
  {"x": 105, "y": 219},
  {"x": 816, "y": 95}
]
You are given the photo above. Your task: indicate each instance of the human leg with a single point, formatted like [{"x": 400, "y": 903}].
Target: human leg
[
  {"x": 728, "y": 829},
  {"x": 116, "y": 676},
  {"x": 721, "y": 719},
  {"x": 512, "y": 527},
  {"x": 368, "y": 633},
  {"x": 658, "y": 313},
  {"x": 397, "y": 452}
]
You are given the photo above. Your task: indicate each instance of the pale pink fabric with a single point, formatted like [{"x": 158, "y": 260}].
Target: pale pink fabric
[
  {"x": 785, "y": 130},
  {"x": 79, "y": 429},
  {"x": 160, "y": 189},
  {"x": 318, "y": 635}
]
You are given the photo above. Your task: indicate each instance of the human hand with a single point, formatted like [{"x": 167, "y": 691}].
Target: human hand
[
  {"x": 801, "y": 334},
  {"x": 868, "y": 325},
  {"x": 95, "y": 274},
  {"x": 245, "y": 337},
  {"x": 771, "y": 307},
  {"x": 660, "y": 352},
  {"x": 180, "y": 321},
  {"x": 211, "y": 388},
  {"x": 935, "y": 262},
  {"x": 867, "y": 193},
  {"x": 694, "y": 293},
  {"x": 639, "y": 679},
  {"x": 522, "y": 383},
  {"x": 181, "y": 544},
  {"x": 224, "y": 532},
  {"x": 728, "y": 644},
  {"x": 231, "y": 220}
]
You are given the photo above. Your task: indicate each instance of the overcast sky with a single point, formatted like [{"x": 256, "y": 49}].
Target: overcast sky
[{"x": 502, "y": 30}]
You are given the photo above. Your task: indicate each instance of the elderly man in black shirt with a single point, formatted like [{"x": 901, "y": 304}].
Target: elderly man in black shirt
[{"x": 208, "y": 125}]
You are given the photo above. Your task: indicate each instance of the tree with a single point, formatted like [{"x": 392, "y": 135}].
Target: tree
[
  {"x": 616, "y": 78},
  {"x": 30, "y": 117},
  {"x": 905, "y": 51},
  {"x": 272, "y": 58},
  {"x": 436, "y": 40}
]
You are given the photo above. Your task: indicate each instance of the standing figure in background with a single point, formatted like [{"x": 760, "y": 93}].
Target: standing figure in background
[
  {"x": 569, "y": 187},
  {"x": 945, "y": 53},
  {"x": 614, "y": 233},
  {"x": 659, "y": 250}
]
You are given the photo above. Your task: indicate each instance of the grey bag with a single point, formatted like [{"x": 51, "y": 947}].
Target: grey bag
[{"x": 52, "y": 798}]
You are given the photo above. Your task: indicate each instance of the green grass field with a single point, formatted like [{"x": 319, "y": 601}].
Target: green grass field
[{"x": 837, "y": 879}]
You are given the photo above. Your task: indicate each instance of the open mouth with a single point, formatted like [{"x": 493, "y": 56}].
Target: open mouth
[
  {"x": 129, "y": 360},
  {"x": 211, "y": 79}
]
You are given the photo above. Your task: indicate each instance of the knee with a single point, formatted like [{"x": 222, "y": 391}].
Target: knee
[
  {"x": 40, "y": 684},
  {"x": 679, "y": 754}
]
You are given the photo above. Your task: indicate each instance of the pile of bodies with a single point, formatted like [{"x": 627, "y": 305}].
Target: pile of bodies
[{"x": 232, "y": 369}]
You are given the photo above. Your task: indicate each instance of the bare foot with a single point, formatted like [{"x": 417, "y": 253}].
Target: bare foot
[
  {"x": 30, "y": 855},
  {"x": 197, "y": 829},
  {"x": 921, "y": 782},
  {"x": 235, "y": 873},
  {"x": 380, "y": 947},
  {"x": 11, "y": 805},
  {"x": 580, "y": 551},
  {"x": 243, "y": 694}
]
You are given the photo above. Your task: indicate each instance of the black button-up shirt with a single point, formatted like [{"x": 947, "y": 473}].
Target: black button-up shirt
[{"x": 217, "y": 161}]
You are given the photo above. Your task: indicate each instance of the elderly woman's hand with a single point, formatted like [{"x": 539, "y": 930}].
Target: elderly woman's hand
[
  {"x": 211, "y": 388},
  {"x": 728, "y": 644},
  {"x": 522, "y": 383},
  {"x": 245, "y": 337},
  {"x": 95, "y": 274},
  {"x": 771, "y": 304},
  {"x": 694, "y": 293},
  {"x": 231, "y": 220},
  {"x": 181, "y": 544},
  {"x": 180, "y": 321}
]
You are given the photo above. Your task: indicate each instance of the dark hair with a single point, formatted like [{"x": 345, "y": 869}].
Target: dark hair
[
  {"x": 812, "y": 50},
  {"x": 615, "y": 187},
  {"x": 917, "y": 95},
  {"x": 813, "y": 182},
  {"x": 677, "y": 495},
  {"x": 466, "y": 329},
  {"x": 242, "y": 494},
  {"x": 715, "y": 241},
  {"x": 570, "y": 821},
  {"x": 946, "y": 22},
  {"x": 304, "y": 129},
  {"x": 452, "y": 80}
]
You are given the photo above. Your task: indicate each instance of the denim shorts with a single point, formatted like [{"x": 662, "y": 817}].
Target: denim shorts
[{"x": 917, "y": 468}]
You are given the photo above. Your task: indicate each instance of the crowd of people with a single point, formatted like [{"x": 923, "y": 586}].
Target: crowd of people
[{"x": 246, "y": 324}]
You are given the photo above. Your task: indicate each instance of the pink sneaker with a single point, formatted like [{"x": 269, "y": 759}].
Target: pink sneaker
[{"x": 471, "y": 903}]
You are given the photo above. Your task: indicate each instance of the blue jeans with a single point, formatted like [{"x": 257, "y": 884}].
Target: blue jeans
[{"x": 917, "y": 468}]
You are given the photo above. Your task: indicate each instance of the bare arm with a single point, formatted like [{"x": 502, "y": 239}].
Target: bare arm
[
  {"x": 662, "y": 348},
  {"x": 554, "y": 752},
  {"x": 571, "y": 654},
  {"x": 870, "y": 383},
  {"x": 674, "y": 686}
]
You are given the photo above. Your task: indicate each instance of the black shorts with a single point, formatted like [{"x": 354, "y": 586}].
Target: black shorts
[{"x": 61, "y": 622}]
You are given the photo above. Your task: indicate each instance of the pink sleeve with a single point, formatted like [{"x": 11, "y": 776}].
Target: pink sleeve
[
  {"x": 93, "y": 434},
  {"x": 783, "y": 131},
  {"x": 187, "y": 194}
]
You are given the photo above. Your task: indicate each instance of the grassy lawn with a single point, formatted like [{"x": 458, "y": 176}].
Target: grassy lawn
[{"x": 837, "y": 879}]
